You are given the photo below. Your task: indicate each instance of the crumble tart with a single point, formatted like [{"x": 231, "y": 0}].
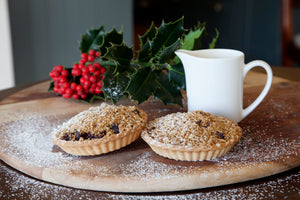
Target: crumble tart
[
  {"x": 191, "y": 136},
  {"x": 100, "y": 130}
]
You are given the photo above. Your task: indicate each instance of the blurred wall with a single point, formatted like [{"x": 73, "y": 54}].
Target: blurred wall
[
  {"x": 46, "y": 32},
  {"x": 252, "y": 26}
]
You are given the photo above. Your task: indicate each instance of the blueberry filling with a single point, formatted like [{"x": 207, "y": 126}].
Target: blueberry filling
[
  {"x": 136, "y": 111},
  {"x": 199, "y": 123},
  {"x": 115, "y": 128},
  {"x": 220, "y": 135},
  {"x": 84, "y": 136}
]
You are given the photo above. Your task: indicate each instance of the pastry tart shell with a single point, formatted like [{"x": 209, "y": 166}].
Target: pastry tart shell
[
  {"x": 185, "y": 153},
  {"x": 97, "y": 146}
]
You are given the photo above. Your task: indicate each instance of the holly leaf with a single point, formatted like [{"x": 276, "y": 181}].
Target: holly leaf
[
  {"x": 176, "y": 74},
  {"x": 190, "y": 40},
  {"x": 147, "y": 82},
  {"x": 167, "y": 34},
  {"x": 92, "y": 39},
  {"x": 214, "y": 41},
  {"x": 149, "y": 35},
  {"x": 114, "y": 85},
  {"x": 112, "y": 37},
  {"x": 145, "y": 53},
  {"x": 159, "y": 42},
  {"x": 141, "y": 85},
  {"x": 167, "y": 52},
  {"x": 167, "y": 92},
  {"x": 51, "y": 86},
  {"x": 120, "y": 53}
]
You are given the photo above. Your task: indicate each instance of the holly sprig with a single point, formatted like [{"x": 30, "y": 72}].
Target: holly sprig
[{"x": 154, "y": 71}]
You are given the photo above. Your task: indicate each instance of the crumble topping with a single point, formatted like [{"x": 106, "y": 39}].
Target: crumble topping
[
  {"x": 193, "y": 129},
  {"x": 101, "y": 121}
]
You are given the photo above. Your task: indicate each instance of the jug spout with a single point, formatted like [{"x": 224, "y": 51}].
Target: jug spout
[
  {"x": 186, "y": 56},
  {"x": 183, "y": 54}
]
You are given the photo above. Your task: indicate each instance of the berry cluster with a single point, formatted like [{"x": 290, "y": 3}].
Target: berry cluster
[{"x": 82, "y": 81}]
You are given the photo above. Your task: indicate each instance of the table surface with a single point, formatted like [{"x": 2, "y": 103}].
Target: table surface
[{"x": 286, "y": 185}]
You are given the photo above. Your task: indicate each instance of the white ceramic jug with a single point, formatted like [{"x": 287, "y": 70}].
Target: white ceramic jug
[{"x": 214, "y": 81}]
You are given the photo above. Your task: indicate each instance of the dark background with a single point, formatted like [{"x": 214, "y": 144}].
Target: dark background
[{"x": 46, "y": 32}]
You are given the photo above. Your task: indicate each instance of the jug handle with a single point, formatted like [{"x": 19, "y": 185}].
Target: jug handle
[{"x": 262, "y": 95}]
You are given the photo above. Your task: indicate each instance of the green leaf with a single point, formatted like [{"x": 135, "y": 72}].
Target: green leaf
[
  {"x": 114, "y": 85},
  {"x": 214, "y": 41},
  {"x": 167, "y": 35},
  {"x": 145, "y": 53},
  {"x": 141, "y": 85},
  {"x": 166, "y": 52},
  {"x": 190, "y": 39},
  {"x": 147, "y": 82},
  {"x": 167, "y": 92},
  {"x": 176, "y": 74},
  {"x": 113, "y": 37},
  {"x": 92, "y": 39},
  {"x": 51, "y": 86},
  {"x": 120, "y": 53},
  {"x": 149, "y": 35}
]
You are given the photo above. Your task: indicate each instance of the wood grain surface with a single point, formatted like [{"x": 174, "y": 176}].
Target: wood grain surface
[{"x": 270, "y": 144}]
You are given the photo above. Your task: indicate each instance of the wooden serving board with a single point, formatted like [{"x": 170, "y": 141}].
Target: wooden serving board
[{"x": 270, "y": 144}]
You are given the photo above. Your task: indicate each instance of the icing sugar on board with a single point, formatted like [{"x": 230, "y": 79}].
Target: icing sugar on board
[{"x": 270, "y": 144}]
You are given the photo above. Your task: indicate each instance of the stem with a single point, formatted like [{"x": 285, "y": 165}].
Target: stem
[{"x": 170, "y": 68}]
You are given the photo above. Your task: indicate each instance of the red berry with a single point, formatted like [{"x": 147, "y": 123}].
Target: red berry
[
  {"x": 85, "y": 70},
  {"x": 75, "y": 66},
  {"x": 100, "y": 84},
  {"x": 102, "y": 70},
  {"x": 79, "y": 88},
  {"x": 86, "y": 87},
  {"x": 83, "y": 96},
  {"x": 65, "y": 85},
  {"x": 87, "y": 82},
  {"x": 97, "y": 65},
  {"x": 84, "y": 55},
  {"x": 75, "y": 96},
  {"x": 69, "y": 91},
  {"x": 94, "y": 85},
  {"x": 66, "y": 96},
  {"x": 93, "y": 79},
  {"x": 51, "y": 74},
  {"x": 92, "y": 90},
  {"x": 97, "y": 73},
  {"x": 90, "y": 58},
  {"x": 64, "y": 73},
  {"x": 82, "y": 61},
  {"x": 76, "y": 72},
  {"x": 86, "y": 77},
  {"x": 91, "y": 68},
  {"x": 62, "y": 90},
  {"x": 73, "y": 86},
  {"x": 56, "y": 89},
  {"x": 55, "y": 73},
  {"x": 97, "y": 53},
  {"x": 81, "y": 80},
  {"x": 62, "y": 80},
  {"x": 81, "y": 66},
  {"x": 92, "y": 52},
  {"x": 58, "y": 68},
  {"x": 97, "y": 90}
]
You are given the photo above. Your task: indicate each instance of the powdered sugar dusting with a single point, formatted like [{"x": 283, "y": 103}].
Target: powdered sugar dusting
[
  {"x": 29, "y": 140},
  {"x": 21, "y": 186},
  {"x": 147, "y": 168}
]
